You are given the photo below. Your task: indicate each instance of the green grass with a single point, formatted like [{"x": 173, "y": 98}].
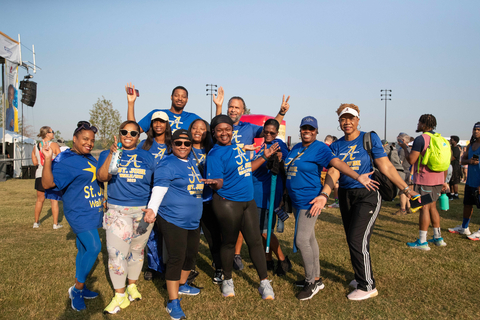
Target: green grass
[{"x": 37, "y": 266}]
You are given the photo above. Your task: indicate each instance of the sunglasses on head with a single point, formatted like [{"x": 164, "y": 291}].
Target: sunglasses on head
[
  {"x": 85, "y": 125},
  {"x": 179, "y": 143},
  {"x": 133, "y": 133}
]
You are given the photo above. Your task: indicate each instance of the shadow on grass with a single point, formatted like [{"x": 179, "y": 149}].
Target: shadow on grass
[
  {"x": 328, "y": 217},
  {"x": 389, "y": 218},
  {"x": 49, "y": 213}
]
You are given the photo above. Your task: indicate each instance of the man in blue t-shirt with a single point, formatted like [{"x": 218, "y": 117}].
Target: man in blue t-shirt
[
  {"x": 244, "y": 134},
  {"x": 179, "y": 119}
]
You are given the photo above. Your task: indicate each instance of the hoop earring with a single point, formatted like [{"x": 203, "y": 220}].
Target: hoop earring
[{"x": 338, "y": 128}]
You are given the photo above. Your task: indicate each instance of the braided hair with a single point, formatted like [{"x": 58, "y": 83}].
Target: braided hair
[{"x": 428, "y": 120}]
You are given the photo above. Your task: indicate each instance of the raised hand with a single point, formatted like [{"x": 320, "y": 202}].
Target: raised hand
[
  {"x": 113, "y": 147},
  {"x": 218, "y": 99},
  {"x": 47, "y": 150},
  {"x": 273, "y": 148},
  {"x": 250, "y": 147},
  {"x": 131, "y": 97},
  {"x": 285, "y": 106}
]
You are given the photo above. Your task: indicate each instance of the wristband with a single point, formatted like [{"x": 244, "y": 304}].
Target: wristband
[
  {"x": 324, "y": 194},
  {"x": 282, "y": 114},
  {"x": 406, "y": 190},
  {"x": 265, "y": 158}
]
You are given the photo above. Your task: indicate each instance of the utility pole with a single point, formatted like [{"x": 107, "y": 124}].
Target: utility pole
[
  {"x": 385, "y": 96},
  {"x": 211, "y": 93}
]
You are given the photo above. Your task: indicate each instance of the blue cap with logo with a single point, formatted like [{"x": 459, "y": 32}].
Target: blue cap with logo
[{"x": 309, "y": 121}]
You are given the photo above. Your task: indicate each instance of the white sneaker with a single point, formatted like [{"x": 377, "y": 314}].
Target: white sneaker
[
  {"x": 36, "y": 225},
  {"x": 334, "y": 205},
  {"x": 57, "y": 226},
  {"x": 362, "y": 295},
  {"x": 460, "y": 230},
  {"x": 474, "y": 236}
]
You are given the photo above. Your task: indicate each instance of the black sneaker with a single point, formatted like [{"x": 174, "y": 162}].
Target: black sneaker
[
  {"x": 148, "y": 275},
  {"x": 286, "y": 264},
  {"x": 280, "y": 272},
  {"x": 218, "y": 276},
  {"x": 310, "y": 289},
  {"x": 270, "y": 265}
]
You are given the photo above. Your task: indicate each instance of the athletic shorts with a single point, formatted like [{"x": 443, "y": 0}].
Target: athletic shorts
[
  {"x": 263, "y": 216},
  {"x": 434, "y": 191},
  {"x": 469, "y": 196},
  {"x": 38, "y": 185}
]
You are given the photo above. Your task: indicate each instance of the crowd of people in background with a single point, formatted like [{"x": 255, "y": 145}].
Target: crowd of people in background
[{"x": 190, "y": 176}]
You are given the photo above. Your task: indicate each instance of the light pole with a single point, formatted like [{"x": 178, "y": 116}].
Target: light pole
[
  {"x": 211, "y": 93},
  {"x": 385, "y": 96}
]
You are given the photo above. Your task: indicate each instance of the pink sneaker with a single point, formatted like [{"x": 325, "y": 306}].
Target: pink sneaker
[{"x": 358, "y": 294}]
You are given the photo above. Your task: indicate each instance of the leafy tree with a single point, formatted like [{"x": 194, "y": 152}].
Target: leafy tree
[
  {"x": 58, "y": 135},
  {"x": 247, "y": 111},
  {"x": 107, "y": 120}
]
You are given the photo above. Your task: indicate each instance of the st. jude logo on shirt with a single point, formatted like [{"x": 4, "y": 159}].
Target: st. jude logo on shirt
[
  {"x": 89, "y": 191},
  {"x": 244, "y": 166},
  {"x": 133, "y": 173},
  {"x": 349, "y": 158},
  {"x": 196, "y": 186}
]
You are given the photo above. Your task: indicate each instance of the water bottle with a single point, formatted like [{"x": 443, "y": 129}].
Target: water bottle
[
  {"x": 115, "y": 163},
  {"x": 280, "y": 226},
  {"x": 444, "y": 203}
]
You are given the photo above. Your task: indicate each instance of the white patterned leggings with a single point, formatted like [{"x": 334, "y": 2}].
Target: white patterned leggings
[{"x": 124, "y": 245}]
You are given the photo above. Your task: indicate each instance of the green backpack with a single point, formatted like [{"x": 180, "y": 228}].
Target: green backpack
[{"x": 438, "y": 154}]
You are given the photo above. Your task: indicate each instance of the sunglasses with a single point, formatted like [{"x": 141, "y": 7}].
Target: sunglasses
[
  {"x": 133, "y": 133},
  {"x": 51, "y": 131},
  {"x": 84, "y": 125},
  {"x": 178, "y": 143},
  {"x": 271, "y": 133}
]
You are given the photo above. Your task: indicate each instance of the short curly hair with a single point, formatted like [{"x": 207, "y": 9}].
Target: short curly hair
[
  {"x": 347, "y": 105},
  {"x": 428, "y": 120}
]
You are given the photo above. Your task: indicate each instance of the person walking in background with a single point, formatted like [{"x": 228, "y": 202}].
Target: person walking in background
[
  {"x": 46, "y": 134},
  {"x": 127, "y": 229},
  {"x": 404, "y": 203},
  {"x": 472, "y": 186},
  {"x": 73, "y": 173},
  {"x": 426, "y": 182},
  {"x": 456, "y": 168}
]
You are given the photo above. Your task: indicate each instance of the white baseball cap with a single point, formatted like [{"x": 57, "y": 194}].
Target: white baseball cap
[{"x": 160, "y": 115}]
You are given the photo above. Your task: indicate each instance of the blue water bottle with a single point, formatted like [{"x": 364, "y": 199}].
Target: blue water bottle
[{"x": 115, "y": 163}]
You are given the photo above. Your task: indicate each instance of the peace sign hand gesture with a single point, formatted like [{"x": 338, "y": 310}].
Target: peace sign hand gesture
[{"x": 285, "y": 106}]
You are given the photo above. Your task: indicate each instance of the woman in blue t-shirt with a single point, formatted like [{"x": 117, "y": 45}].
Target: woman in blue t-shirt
[
  {"x": 229, "y": 173},
  {"x": 158, "y": 143},
  {"x": 262, "y": 178},
  {"x": 127, "y": 229},
  {"x": 359, "y": 206},
  {"x": 202, "y": 144},
  {"x": 304, "y": 165},
  {"x": 73, "y": 173},
  {"x": 177, "y": 197}
]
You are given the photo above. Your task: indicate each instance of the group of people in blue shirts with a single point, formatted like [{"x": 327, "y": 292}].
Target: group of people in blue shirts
[{"x": 189, "y": 173}]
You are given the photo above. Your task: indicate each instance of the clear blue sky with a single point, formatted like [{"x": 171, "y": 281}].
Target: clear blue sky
[{"x": 321, "y": 53}]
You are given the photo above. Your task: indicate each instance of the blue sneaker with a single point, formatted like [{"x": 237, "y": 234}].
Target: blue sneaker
[
  {"x": 188, "y": 290},
  {"x": 76, "y": 296},
  {"x": 174, "y": 310},
  {"x": 438, "y": 242},
  {"x": 418, "y": 245},
  {"x": 87, "y": 294}
]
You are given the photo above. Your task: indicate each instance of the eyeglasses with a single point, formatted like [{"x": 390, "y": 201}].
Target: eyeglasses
[
  {"x": 271, "y": 133},
  {"x": 84, "y": 125},
  {"x": 133, "y": 133},
  {"x": 178, "y": 143}
]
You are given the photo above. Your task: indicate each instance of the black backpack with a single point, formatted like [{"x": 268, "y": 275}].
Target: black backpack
[{"x": 387, "y": 189}]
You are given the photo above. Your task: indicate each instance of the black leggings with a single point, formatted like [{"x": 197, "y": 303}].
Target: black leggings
[
  {"x": 233, "y": 217},
  {"x": 182, "y": 248},
  {"x": 211, "y": 230}
]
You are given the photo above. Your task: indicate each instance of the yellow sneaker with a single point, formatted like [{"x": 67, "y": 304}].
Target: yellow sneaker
[
  {"x": 133, "y": 293},
  {"x": 118, "y": 303}
]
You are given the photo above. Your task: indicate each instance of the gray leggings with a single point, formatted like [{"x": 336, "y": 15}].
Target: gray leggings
[
  {"x": 307, "y": 243},
  {"x": 124, "y": 245}
]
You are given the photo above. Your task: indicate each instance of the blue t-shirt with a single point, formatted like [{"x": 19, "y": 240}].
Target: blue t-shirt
[
  {"x": 356, "y": 157},
  {"x": 177, "y": 121},
  {"x": 157, "y": 149},
  {"x": 232, "y": 165},
  {"x": 202, "y": 157},
  {"x": 473, "y": 173},
  {"x": 304, "y": 173},
  {"x": 132, "y": 186},
  {"x": 244, "y": 134},
  {"x": 262, "y": 179},
  {"x": 76, "y": 177},
  {"x": 182, "y": 204}
]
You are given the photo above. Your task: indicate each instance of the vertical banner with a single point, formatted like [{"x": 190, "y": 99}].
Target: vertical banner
[{"x": 11, "y": 91}]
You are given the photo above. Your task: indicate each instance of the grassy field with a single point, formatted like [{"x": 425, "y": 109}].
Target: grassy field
[{"x": 37, "y": 266}]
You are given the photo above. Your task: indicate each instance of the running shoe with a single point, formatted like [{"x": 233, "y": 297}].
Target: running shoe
[
  {"x": 438, "y": 242},
  {"x": 358, "y": 294},
  {"x": 87, "y": 294},
  {"x": 266, "y": 290},
  {"x": 174, "y": 310},
  {"x": 283, "y": 266},
  {"x": 474, "y": 236},
  {"x": 76, "y": 296},
  {"x": 460, "y": 230},
  {"x": 228, "y": 288},
  {"x": 118, "y": 302},
  {"x": 187, "y": 290},
  {"x": 133, "y": 293},
  {"x": 36, "y": 225},
  {"x": 310, "y": 289},
  {"x": 57, "y": 226},
  {"x": 418, "y": 245},
  {"x": 400, "y": 212},
  {"x": 218, "y": 276},
  {"x": 334, "y": 205},
  {"x": 237, "y": 262}
]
